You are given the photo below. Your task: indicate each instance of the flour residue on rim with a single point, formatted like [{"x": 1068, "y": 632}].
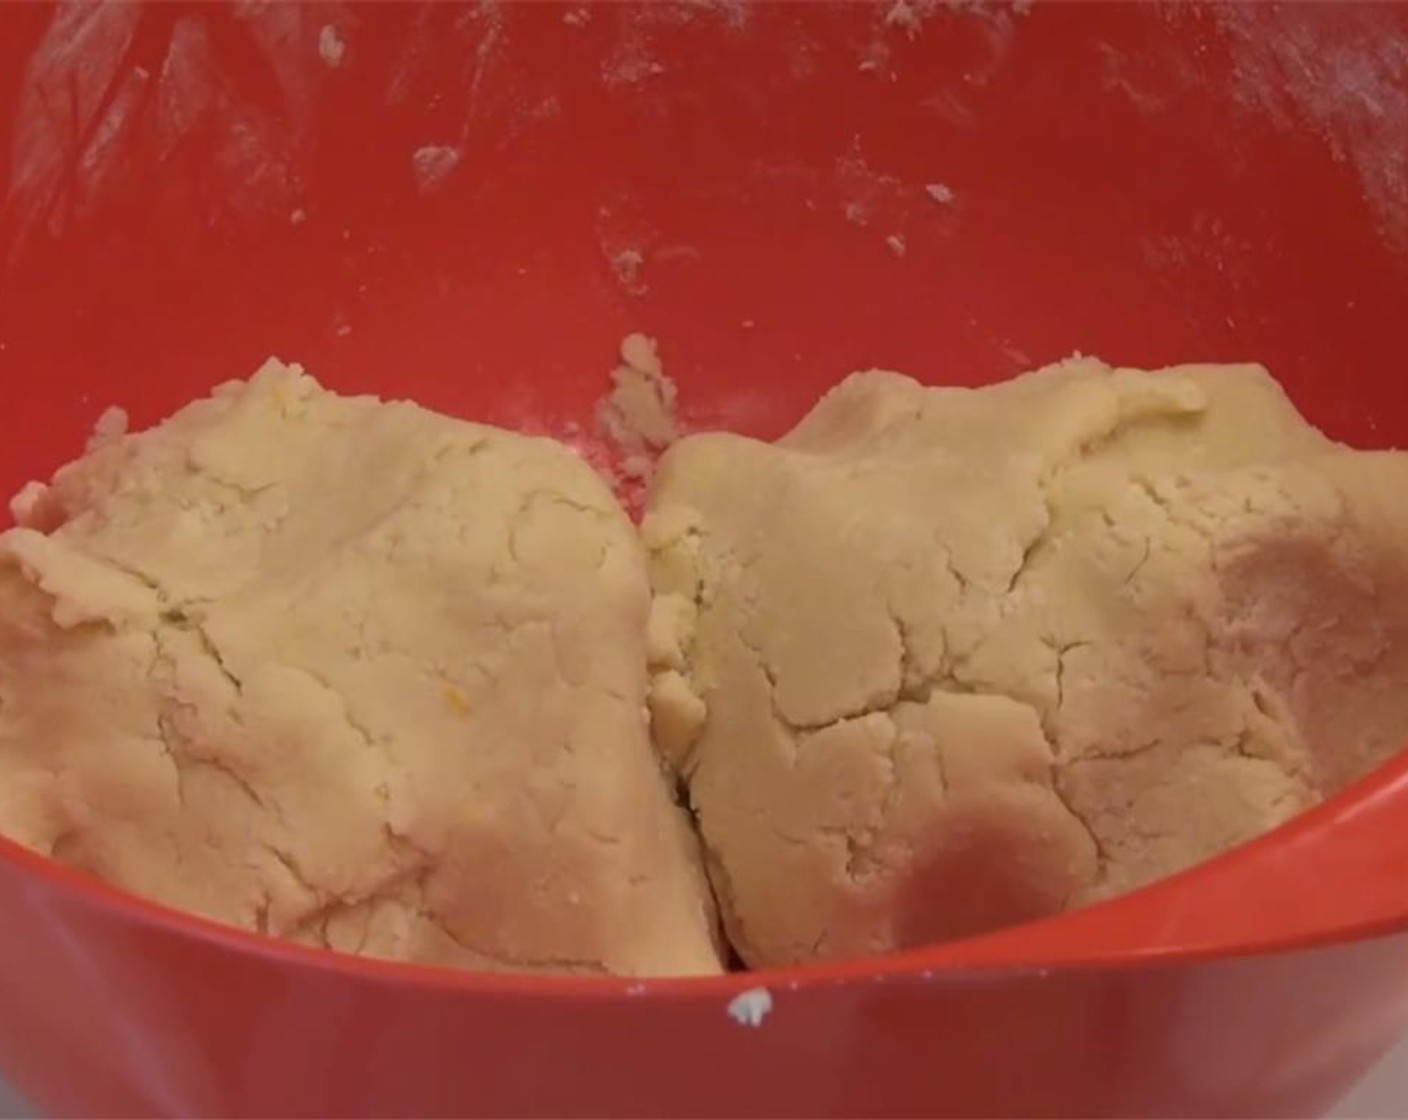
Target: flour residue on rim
[
  {"x": 113, "y": 91},
  {"x": 1343, "y": 72},
  {"x": 1336, "y": 72}
]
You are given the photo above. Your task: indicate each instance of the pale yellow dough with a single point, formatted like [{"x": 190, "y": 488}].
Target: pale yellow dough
[
  {"x": 943, "y": 659},
  {"x": 353, "y": 673}
]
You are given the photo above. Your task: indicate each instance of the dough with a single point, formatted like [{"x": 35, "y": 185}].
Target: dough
[
  {"x": 945, "y": 659},
  {"x": 352, "y": 673}
]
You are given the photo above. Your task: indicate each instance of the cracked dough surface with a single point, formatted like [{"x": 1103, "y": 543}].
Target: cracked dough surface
[
  {"x": 352, "y": 673},
  {"x": 944, "y": 659}
]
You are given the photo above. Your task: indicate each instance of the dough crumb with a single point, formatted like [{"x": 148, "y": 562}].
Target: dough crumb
[
  {"x": 111, "y": 425},
  {"x": 638, "y": 416},
  {"x": 750, "y": 1008},
  {"x": 25, "y": 506},
  {"x": 331, "y": 46}
]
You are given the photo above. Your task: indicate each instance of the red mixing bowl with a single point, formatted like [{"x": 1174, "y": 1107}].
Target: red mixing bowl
[{"x": 469, "y": 205}]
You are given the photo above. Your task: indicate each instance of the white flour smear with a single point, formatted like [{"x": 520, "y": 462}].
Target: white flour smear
[
  {"x": 120, "y": 95},
  {"x": 1339, "y": 70},
  {"x": 115, "y": 94}
]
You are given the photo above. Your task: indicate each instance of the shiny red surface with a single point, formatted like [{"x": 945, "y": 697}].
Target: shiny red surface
[{"x": 1140, "y": 183}]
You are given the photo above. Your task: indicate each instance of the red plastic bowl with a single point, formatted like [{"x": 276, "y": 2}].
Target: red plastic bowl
[{"x": 189, "y": 188}]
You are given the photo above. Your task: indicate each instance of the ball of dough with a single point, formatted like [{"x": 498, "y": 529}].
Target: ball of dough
[
  {"x": 352, "y": 673},
  {"x": 945, "y": 659}
]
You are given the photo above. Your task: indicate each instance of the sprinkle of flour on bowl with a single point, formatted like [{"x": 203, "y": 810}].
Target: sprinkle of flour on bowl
[
  {"x": 433, "y": 164},
  {"x": 750, "y": 1008},
  {"x": 904, "y": 16},
  {"x": 627, "y": 265}
]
